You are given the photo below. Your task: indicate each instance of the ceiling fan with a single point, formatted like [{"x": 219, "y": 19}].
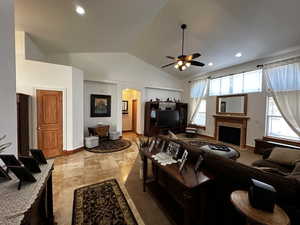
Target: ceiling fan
[{"x": 182, "y": 62}]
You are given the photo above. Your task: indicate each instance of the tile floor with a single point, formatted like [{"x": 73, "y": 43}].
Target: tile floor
[{"x": 83, "y": 168}]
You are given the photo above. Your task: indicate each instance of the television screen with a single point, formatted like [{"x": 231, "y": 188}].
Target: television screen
[{"x": 167, "y": 118}]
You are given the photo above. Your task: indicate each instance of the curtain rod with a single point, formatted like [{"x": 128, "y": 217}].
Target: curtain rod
[
  {"x": 259, "y": 66},
  {"x": 211, "y": 77},
  {"x": 277, "y": 61}
]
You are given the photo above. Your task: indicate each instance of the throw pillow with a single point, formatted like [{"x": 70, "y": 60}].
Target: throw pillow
[{"x": 285, "y": 156}]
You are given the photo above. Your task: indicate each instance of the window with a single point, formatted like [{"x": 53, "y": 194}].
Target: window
[
  {"x": 237, "y": 84},
  {"x": 276, "y": 124},
  {"x": 200, "y": 118}
]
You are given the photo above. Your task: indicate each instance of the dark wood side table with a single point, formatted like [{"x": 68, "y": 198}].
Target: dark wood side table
[
  {"x": 255, "y": 216},
  {"x": 100, "y": 130}
]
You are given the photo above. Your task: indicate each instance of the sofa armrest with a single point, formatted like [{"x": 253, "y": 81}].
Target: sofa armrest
[{"x": 267, "y": 153}]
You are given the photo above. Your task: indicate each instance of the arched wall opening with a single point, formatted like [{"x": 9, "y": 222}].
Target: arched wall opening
[{"x": 131, "y": 110}]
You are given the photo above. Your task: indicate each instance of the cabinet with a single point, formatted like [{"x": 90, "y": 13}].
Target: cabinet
[{"x": 151, "y": 126}]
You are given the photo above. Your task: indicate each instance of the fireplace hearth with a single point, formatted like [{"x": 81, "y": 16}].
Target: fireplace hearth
[{"x": 230, "y": 135}]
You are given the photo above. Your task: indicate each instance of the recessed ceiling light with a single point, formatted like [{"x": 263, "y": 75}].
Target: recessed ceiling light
[
  {"x": 210, "y": 64},
  {"x": 239, "y": 54},
  {"x": 80, "y": 10}
]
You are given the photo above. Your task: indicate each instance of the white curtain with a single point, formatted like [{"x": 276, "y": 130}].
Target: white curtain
[
  {"x": 283, "y": 83},
  {"x": 198, "y": 93}
]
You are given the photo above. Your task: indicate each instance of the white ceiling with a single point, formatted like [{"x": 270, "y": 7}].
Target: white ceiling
[{"x": 149, "y": 29}]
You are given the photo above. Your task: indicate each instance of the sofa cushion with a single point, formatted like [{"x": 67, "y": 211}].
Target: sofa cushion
[
  {"x": 284, "y": 156},
  {"x": 295, "y": 174},
  {"x": 267, "y": 163}
]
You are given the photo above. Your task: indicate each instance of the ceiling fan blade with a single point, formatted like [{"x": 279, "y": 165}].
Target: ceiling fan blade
[
  {"x": 168, "y": 65},
  {"x": 171, "y": 57},
  {"x": 196, "y": 63},
  {"x": 193, "y": 56}
]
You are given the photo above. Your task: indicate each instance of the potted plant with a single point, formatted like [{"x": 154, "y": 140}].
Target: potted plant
[{"x": 5, "y": 145}]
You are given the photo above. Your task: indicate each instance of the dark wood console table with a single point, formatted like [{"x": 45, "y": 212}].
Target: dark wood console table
[
  {"x": 32, "y": 204},
  {"x": 184, "y": 196}
]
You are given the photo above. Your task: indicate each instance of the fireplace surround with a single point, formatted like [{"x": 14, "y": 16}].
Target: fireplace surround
[
  {"x": 223, "y": 122},
  {"x": 231, "y": 135}
]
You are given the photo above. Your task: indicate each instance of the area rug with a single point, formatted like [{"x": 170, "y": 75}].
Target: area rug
[
  {"x": 111, "y": 146},
  {"x": 102, "y": 204}
]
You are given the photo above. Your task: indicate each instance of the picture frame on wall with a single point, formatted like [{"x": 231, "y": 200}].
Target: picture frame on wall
[
  {"x": 124, "y": 107},
  {"x": 100, "y": 105}
]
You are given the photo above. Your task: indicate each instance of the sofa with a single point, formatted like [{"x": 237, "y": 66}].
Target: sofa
[
  {"x": 230, "y": 176},
  {"x": 265, "y": 162}
]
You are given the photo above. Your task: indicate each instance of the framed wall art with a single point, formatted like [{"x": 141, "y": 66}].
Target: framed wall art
[
  {"x": 100, "y": 105},
  {"x": 125, "y": 107}
]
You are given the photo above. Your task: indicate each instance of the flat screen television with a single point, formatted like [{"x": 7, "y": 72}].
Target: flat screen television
[{"x": 167, "y": 118}]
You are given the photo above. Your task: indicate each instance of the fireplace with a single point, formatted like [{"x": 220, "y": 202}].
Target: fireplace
[
  {"x": 231, "y": 129},
  {"x": 230, "y": 135}
]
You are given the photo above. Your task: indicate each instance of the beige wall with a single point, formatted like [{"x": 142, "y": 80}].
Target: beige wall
[
  {"x": 256, "y": 112},
  {"x": 256, "y": 101},
  {"x": 111, "y": 73},
  {"x": 100, "y": 88},
  {"x": 32, "y": 75},
  {"x": 8, "y": 113}
]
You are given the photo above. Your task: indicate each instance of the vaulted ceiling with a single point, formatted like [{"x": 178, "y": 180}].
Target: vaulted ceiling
[{"x": 149, "y": 29}]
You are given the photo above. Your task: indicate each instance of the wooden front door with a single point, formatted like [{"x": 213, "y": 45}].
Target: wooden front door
[
  {"x": 49, "y": 122},
  {"x": 134, "y": 114}
]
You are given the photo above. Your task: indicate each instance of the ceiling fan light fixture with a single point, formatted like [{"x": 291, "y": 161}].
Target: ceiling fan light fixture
[
  {"x": 176, "y": 66},
  {"x": 180, "y": 63},
  {"x": 188, "y": 64},
  {"x": 183, "y": 67}
]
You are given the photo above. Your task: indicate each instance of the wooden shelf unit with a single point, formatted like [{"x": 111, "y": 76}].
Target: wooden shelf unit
[{"x": 150, "y": 124}]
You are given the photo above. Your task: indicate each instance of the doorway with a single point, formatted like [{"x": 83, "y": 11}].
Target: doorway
[
  {"x": 131, "y": 100},
  {"x": 50, "y": 122}
]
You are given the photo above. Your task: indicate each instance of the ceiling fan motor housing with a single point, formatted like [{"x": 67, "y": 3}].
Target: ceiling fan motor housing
[{"x": 183, "y": 61}]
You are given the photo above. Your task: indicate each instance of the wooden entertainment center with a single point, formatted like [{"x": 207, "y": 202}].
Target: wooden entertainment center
[{"x": 154, "y": 108}]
